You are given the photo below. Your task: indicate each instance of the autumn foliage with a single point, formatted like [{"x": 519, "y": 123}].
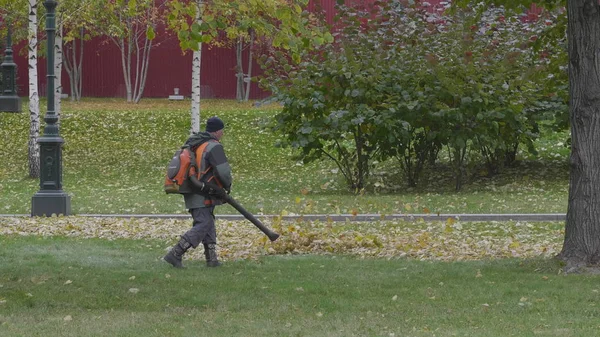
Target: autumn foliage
[{"x": 407, "y": 83}]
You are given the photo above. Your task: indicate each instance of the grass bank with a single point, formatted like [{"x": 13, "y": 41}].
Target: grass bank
[
  {"x": 92, "y": 287},
  {"x": 115, "y": 156}
]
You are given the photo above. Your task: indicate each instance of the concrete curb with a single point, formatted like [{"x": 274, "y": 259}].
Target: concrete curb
[{"x": 347, "y": 217}]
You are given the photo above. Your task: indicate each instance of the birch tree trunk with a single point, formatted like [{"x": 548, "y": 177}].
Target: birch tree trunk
[
  {"x": 248, "y": 78},
  {"x": 72, "y": 63},
  {"x": 58, "y": 62},
  {"x": 34, "y": 101},
  {"x": 135, "y": 78},
  {"x": 195, "y": 113},
  {"x": 141, "y": 68},
  {"x": 126, "y": 65},
  {"x": 581, "y": 247},
  {"x": 239, "y": 74},
  {"x": 196, "y": 63}
]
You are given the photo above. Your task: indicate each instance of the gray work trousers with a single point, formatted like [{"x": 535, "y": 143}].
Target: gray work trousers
[{"x": 203, "y": 229}]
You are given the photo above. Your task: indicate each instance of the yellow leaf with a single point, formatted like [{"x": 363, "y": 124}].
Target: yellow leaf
[
  {"x": 354, "y": 212},
  {"x": 408, "y": 207},
  {"x": 426, "y": 210},
  {"x": 298, "y": 200}
]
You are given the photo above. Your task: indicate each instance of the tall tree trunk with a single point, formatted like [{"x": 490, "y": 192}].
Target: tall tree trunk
[
  {"x": 126, "y": 65},
  {"x": 58, "y": 62},
  {"x": 196, "y": 64},
  {"x": 72, "y": 63},
  {"x": 582, "y": 231},
  {"x": 239, "y": 74},
  {"x": 249, "y": 76},
  {"x": 141, "y": 67},
  {"x": 34, "y": 101},
  {"x": 195, "y": 112},
  {"x": 129, "y": 48}
]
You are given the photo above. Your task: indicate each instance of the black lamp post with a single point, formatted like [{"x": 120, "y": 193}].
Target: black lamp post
[
  {"x": 50, "y": 199},
  {"x": 9, "y": 100}
]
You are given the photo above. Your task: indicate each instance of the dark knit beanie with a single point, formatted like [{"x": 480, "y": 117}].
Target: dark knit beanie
[{"x": 214, "y": 124}]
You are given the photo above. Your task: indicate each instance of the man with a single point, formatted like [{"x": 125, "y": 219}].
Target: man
[{"x": 200, "y": 203}]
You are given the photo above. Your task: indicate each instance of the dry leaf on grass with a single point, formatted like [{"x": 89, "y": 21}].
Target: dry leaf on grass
[{"x": 378, "y": 239}]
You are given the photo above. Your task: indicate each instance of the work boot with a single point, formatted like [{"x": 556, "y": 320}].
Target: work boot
[
  {"x": 210, "y": 254},
  {"x": 175, "y": 255}
]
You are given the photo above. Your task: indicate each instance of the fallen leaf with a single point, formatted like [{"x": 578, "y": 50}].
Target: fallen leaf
[
  {"x": 68, "y": 318},
  {"x": 395, "y": 297},
  {"x": 132, "y": 278},
  {"x": 68, "y": 282},
  {"x": 134, "y": 290}
]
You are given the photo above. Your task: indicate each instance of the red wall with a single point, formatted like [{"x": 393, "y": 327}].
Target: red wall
[{"x": 169, "y": 67}]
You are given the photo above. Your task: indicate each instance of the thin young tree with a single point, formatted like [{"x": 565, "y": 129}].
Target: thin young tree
[
  {"x": 76, "y": 18},
  {"x": 281, "y": 22},
  {"x": 34, "y": 100},
  {"x": 130, "y": 25}
]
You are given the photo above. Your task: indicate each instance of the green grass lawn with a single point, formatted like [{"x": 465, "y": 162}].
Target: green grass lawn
[
  {"x": 92, "y": 287},
  {"x": 81, "y": 276},
  {"x": 115, "y": 156}
]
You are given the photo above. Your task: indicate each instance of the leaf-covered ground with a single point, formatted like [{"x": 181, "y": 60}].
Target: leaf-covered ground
[
  {"x": 115, "y": 154},
  {"x": 443, "y": 241}
]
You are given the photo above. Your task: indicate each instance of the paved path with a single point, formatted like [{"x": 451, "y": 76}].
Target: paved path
[{"x": 349, "y": 217}]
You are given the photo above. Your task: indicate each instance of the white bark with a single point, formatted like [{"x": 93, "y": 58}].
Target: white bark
[
  {"x": 34, "y": 101},
  {"x": 196, "y": 63},
  {"x": 195, "y": 113},
  {"x": 239, "y": 92},
  {"x": 58, "y": 63},
  {"x": 72, "y": 63},
  {"x": 141, "y": 67},
  {"x": 129, "y": 46},
  {"x": 249, "y": 75}
]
